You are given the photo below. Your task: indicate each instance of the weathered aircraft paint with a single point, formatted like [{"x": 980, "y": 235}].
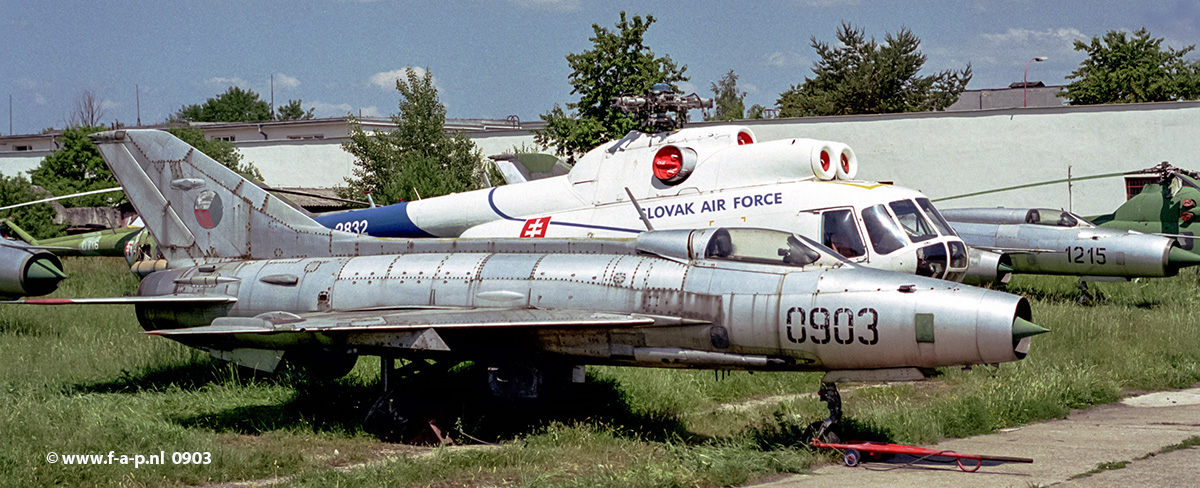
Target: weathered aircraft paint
[
  {"x": 262, "y": 281},
  {"x": 1166, "y": 207}
]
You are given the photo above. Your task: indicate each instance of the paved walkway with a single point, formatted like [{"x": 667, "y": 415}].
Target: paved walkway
[{"x": 1128, "y": 431}]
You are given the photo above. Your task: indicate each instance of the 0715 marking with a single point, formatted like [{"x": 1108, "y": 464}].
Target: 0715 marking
[{"x": 820, "y": 319}]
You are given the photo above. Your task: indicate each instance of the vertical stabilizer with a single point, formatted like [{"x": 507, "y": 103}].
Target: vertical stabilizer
[{"x": 199, "y": 210}]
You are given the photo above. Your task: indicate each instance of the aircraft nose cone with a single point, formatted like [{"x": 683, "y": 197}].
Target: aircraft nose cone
[
  {"x": 1180, "y": 258},
  {"x": 1022, "y": 328},
  {"x": 44, "y": 269}
]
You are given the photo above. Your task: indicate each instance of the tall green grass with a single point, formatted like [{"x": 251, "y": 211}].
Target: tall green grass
[{"x": 85, "y": 380}]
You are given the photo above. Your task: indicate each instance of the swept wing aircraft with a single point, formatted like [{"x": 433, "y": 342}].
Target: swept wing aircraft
[
  {"x": 255, "y": 281},
  {"x": 1047, "y": 241}
]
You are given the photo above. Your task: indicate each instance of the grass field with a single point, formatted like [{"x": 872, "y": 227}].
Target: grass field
[{"x": 84, "y": 380}]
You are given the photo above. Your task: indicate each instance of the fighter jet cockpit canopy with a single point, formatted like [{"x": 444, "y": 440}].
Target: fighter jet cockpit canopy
[
  {"x": 1012, "y": 216},
  {"x": 746, "y": 245}
]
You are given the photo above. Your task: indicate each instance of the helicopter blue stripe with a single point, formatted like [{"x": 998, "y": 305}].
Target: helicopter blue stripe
[
  {"x": 492, "y": 203},
  {"x": 388, "y": 221}
]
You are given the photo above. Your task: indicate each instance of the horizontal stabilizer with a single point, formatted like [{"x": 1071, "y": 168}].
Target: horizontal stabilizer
[
  {"x": 159, "y": 300},
  {"x": 383, "y": 321}
]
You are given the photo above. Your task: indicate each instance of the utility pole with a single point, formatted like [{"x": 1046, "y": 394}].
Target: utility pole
[
  {"x": 137, "y": 96},
  {"x": 10, "y": 114},
  {"x": 272, "y": 96}
]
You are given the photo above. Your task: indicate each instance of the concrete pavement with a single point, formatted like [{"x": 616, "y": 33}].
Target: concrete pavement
[{"x": 1134, "y": 431}]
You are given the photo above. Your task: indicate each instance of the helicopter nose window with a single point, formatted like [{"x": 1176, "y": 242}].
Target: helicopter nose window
[
  {"x": 760, "y": 246},
  {"x": 840, "y": 233},
  {"x": 943, "y": 227},
  {"x": 886, "y": 236},
  {"x": 914, "y": 223},
  {"x": 931, "y": 261}
]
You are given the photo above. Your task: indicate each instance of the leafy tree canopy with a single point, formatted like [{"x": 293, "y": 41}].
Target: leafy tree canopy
[
  {"x": 75, "y": 167},
  {"x": 293, "y": 111},
  {"x": 1132, "y": 69},
  {"x": 619, "y": 63},
  {"x": 223, "y": 152},
  {"x": 860, "y": 76},
  {"x": 418, "y": 159},
  {"x": 728, "y": 101},
  {"x": 235, "y": 105},
  {"x": 37, "y": 220}
]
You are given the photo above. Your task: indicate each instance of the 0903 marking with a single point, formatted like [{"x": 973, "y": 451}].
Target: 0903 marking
[{"x": 829, "y": 326}]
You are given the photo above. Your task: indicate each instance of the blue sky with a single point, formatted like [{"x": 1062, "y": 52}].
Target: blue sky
[{"x": 494, "y": 58}]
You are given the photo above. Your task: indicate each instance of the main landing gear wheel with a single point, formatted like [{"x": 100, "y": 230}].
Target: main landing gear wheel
[{"x": 828, "y": 393}]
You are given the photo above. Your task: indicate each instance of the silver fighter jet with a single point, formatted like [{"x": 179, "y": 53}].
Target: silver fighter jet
[
  {"x": 1047, "y": 241},
  {"x": 27, "y": 270},
  {"x": 255, "y": 281}
]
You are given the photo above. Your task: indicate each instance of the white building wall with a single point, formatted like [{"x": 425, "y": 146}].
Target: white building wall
[{"x": 945, "y": 154}]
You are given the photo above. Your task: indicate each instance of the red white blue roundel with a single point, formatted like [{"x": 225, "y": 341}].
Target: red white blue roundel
[{"x": 208, "y": 209}]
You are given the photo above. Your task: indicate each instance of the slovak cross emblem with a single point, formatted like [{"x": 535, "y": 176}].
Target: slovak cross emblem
[{"x": 535, "y": 227}]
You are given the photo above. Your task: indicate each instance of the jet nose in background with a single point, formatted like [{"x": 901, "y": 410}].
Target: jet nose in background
[{"x": 1178, "y": 258}]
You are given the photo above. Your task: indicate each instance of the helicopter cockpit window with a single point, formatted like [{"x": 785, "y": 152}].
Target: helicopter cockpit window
[
  {"x": 760, "y": 246},
  {"x": 840, "y": 232},
  {"x": 938, "y": 221},
  {"x": 886, "y": 236},
  {"x": 912, "y": 221}
]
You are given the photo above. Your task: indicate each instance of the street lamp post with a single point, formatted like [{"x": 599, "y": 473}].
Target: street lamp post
[{"x": 1025, "y": 79}]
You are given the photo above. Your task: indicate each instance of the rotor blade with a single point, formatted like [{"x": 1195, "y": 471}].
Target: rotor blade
[
  {"x": 73, "y": 195},
  {"x": 313, "y": 195},
  {"x": 1031, "y": 185}
]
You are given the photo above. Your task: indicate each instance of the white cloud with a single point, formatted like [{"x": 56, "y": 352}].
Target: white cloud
[
  {"x": 39, "y": 99},
  {"x": 749, "y": 88},
  {"x": 323, "y": 110},
  {"x": 226, "y": 82},
  {"x": 109, "y": 105},
  {"x": 780, "y": 59},
  {"x": 686, "y": 87},
  {"x": 555, "y": 5},
  {"x": 286, "y": 81},
  {"x": 387, "y": 79},
  {"x": 1059, "y": 38},
  {"x": 372, "y": 111}
]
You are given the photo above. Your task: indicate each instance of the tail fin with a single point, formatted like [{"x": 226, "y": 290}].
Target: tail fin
[
  {"x": 199, "y": 210},
  {"x": 19, "y": 232}
]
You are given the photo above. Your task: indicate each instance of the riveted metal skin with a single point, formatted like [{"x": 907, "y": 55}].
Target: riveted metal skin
[{"x": 770, "y": 300}]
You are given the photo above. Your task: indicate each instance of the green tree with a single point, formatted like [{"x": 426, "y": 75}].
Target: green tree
[
  {"x": 293, "y": 111},
  {"x": 619, "y": 63},
  {"x": 728, "y": 100},
  {"x": 860, "y": 76},
  {"x": 38, "y": 219},
  {"x": 223, "y": 152},
  {"x": 75, "y": 167},
  {"x": 235, "y": 105},
  {"x": 418, "y": 159},
  {"x": 1132, "y": 69},
  {"x": 756, "y": 111}
]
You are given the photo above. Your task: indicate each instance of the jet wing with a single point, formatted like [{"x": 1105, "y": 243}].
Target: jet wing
[
  {"x": 402, "y": 320},
  {"x": 1013, "y": 250},
  {"x": 134, "y": 300}
]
